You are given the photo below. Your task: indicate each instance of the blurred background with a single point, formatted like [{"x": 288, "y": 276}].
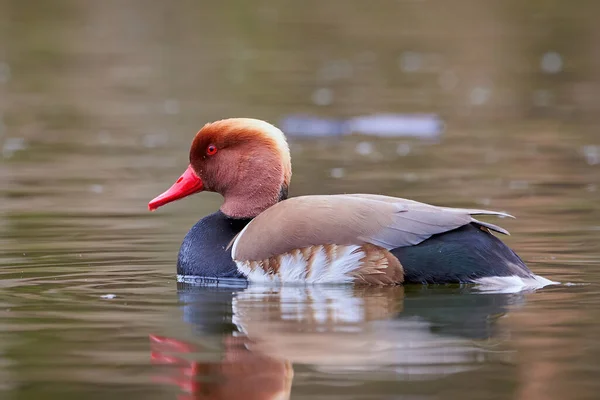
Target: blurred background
[{"x": 468, "y": 103}]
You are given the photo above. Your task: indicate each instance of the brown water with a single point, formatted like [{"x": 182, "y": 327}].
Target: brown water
[{"x": 99, "y": 102}]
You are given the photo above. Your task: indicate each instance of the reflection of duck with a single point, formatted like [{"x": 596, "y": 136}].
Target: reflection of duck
[
  {"x": 461, "y": 312},
  {"x": 405, "y": 333},
  {"x": 229, "y": 371},
  {"x": 412, "y": 334},
  {"x": 364, "y": 238}
]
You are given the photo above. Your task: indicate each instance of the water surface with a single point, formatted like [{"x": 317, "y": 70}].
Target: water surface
[{"x": 99, "y": 103}]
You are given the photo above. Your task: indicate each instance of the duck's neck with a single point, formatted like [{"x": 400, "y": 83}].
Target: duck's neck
[{"x": 251, "y": 201}]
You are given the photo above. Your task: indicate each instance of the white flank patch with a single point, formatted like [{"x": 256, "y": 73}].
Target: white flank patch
[
  {"x": 347, "y": 260},
  {"x": 257, "y": 275},
  {"x": 512, "y": 284},
  {"x": 319, "y": 265},
  {"x": 293, "y": 267}
]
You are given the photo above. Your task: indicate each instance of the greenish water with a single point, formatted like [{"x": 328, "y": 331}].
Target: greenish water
[{"x": 99, "y": 102}]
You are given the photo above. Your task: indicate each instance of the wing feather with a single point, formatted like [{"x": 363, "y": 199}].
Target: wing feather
[{"x": 353, "y": 219}]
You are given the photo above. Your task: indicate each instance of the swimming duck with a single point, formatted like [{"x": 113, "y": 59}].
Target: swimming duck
[{"x": 261, "y": 235}]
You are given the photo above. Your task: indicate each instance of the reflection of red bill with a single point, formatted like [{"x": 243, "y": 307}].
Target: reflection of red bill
[
  {"x": 171, "y": 344},
  {"x": 185, "y": 376},
  {"x": 241, "y": 373}
]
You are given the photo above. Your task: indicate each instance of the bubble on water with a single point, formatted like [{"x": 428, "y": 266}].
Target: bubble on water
[
  {"x": 480, "y": 95},
  {"x": 322, "y": 97},
  {"x": 364, "y": 148},
  {"x": 4, "y": 72},
  {"x": 171, "y": 106},
  {"x": 591, "y": 154},
  {"x": 108, "y": 296},
  {"x": 12, "y": 145},
  {"x": 337, "y": 173},
  {"x": 551, "y": 63},
  {"x": 410, "y": 61},
  {"x": 403, "y": 149},
  {"x": 96, "y": 188}
]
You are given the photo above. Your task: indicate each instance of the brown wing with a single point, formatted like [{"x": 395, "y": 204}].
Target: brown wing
[{"x": 383, "y": 221}]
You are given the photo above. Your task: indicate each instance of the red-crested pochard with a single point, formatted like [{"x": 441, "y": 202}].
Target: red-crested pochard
[{"x": 262, "y": 236}]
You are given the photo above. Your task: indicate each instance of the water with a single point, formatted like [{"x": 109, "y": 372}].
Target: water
[{"x": 98, "y": 105}]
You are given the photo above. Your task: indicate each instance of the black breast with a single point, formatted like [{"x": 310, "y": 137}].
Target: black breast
[{"x": 204, "y": 250}]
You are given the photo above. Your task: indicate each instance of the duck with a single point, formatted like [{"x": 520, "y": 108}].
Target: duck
[{"x": 261, "y": 235}]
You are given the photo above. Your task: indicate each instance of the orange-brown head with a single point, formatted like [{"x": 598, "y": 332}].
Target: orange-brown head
[{"x": 246, "y": 160}]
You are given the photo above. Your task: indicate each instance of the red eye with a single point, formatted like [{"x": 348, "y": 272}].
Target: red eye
[{"x": 211, "y": 150}]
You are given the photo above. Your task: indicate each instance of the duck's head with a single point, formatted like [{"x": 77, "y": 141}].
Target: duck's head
[{"x": 246, "y": 160}]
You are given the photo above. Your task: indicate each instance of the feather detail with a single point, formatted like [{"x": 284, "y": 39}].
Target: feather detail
[
  {"x": 330, "y": 263},
  {"x": 379, "y": 267},
  {"x": 493, "y": 227},
  {"x": 357, "y": 219}
]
